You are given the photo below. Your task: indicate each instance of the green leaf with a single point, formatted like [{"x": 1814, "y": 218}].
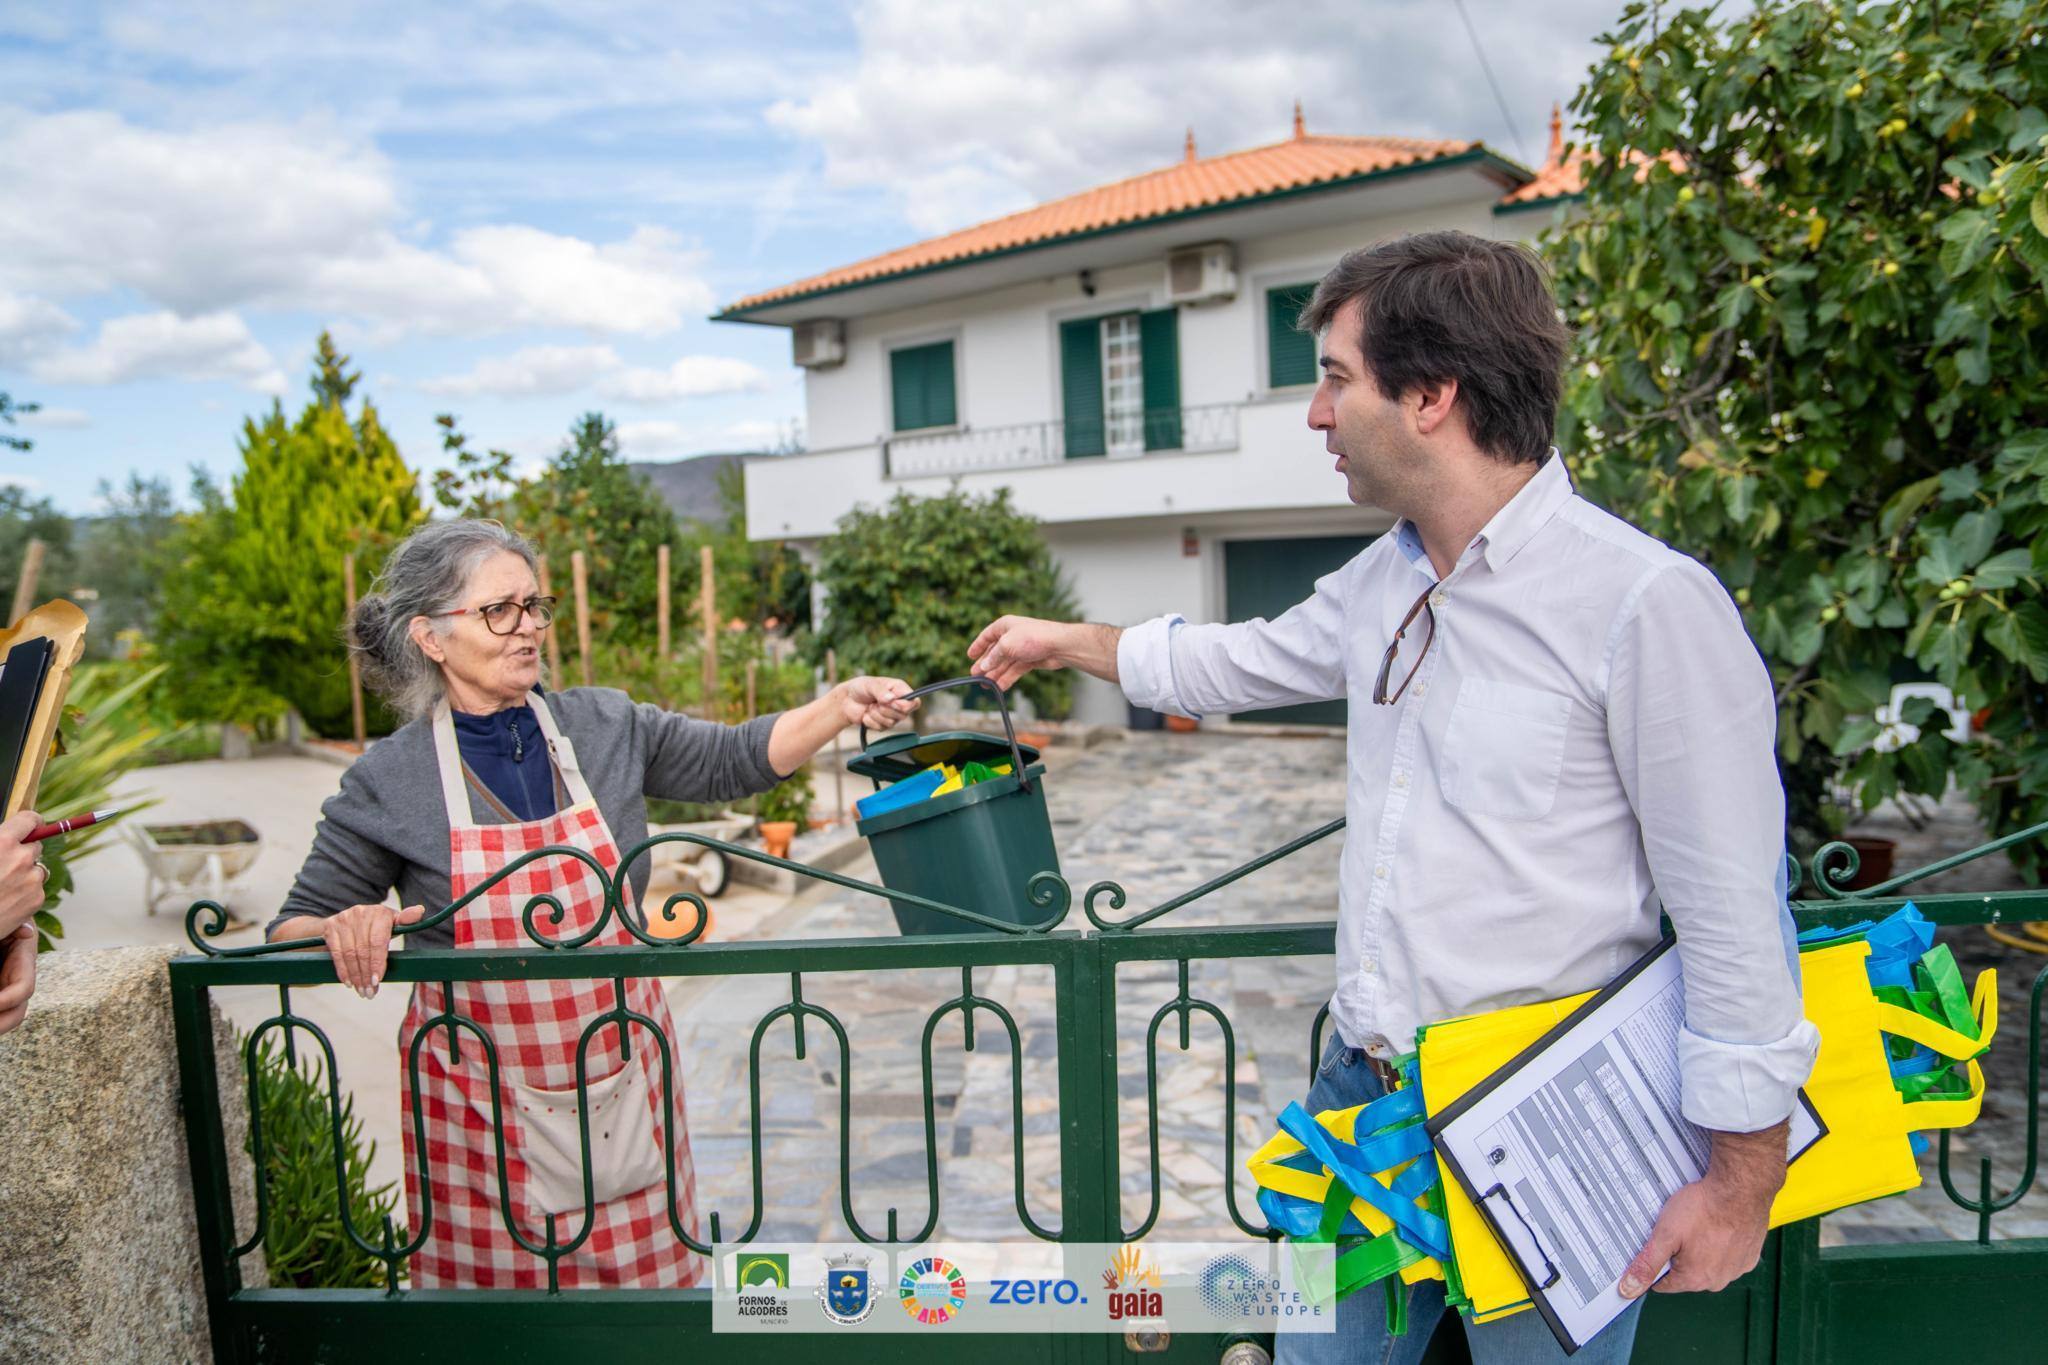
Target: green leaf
[
  {"x": 2022, "y": 636},
  {"x": 2038, "y": 211},
  {"x": 1973, "y": 366},
  {"x": 1856, "y": 734},
  {"x": 1737, "y": 495},
  {"x": 2003, "y": 570},
  {"x": 2024, "y": 457},
  {"x": 1741, "y": 249},
  {"x": 1969, "y": 172},
  {"x": 1966, "y": 238},
  {"x": 1905, "y": 504},
  {"x": 1960, "y": 484},
  {"x": 1974, "y": 534},
  {"x": 2028, "y": 129}
]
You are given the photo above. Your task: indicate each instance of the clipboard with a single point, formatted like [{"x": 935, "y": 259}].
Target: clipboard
[
  {"x": 1520, "y": 1231},
  {"x": 62, "y": 625}
]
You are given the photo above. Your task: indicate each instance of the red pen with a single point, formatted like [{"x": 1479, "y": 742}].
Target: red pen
[{"x": 75, "y": 822}]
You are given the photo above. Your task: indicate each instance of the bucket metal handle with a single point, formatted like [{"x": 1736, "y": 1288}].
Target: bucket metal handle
[{"x": 1002, "y": 704}]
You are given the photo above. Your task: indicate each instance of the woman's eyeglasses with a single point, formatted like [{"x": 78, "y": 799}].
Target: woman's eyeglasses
[
  {"x": 502, "y": 618},
  {"x": 1380, "y": 695}
]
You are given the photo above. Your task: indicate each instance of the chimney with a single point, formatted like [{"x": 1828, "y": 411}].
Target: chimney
[
  {"x": 1300, "y": 128},
  {"x": 1556, "y": 136},
  {"x": 1191, "y": 146}
]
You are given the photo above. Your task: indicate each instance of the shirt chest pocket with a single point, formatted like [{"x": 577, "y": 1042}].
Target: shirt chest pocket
[{"x": 1504, "y": 749}]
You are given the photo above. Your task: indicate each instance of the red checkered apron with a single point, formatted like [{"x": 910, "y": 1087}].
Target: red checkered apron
[{"x": 535, "y": 1026}]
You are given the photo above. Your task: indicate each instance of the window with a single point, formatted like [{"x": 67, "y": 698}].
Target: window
[
  {"x": 1123, "y": 385},
  {"x": 1290, "y": 352},
  {"x": 921, "y": 386},
  {"x": 1120, "y": 383}
]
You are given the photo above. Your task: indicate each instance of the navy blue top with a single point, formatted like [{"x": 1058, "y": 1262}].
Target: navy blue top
[{"x": 509, "y": 756}]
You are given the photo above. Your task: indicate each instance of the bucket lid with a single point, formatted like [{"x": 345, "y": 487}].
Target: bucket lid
[{"x": 896, "y": 757}]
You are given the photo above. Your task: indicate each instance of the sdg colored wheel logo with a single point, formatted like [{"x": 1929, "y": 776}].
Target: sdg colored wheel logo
[{"x": 933, "y": 1290}]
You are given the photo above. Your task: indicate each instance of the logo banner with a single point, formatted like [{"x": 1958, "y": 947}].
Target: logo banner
[{"x": 953, "y": 1287}]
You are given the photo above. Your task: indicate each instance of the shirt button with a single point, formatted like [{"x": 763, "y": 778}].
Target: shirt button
[
  {"x": 1436, "y": 599},
  {"x": 1368, "y": 966},
  {"x": 1400, "y": 779},
  {"x": 1422, "y": 689},
  {"x": 1380, "y": 872}
]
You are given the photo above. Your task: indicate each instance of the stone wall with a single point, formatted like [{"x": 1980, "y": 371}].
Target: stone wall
[{"x": 99, "y": 1255}]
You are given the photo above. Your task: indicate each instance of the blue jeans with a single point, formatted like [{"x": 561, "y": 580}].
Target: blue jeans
[{"x": 1343, "y": 1080}]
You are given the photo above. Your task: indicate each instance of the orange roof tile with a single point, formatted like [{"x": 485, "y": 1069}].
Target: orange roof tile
[
  {"x": 1559, "y": 176},
  {"x": 1301, "y": 161}
]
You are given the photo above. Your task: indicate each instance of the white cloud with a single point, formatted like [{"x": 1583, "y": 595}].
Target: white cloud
[
  {"x": 29, "y": 325},
  {"x": 967, "y": 110},
  {"x": 214, "y": 346},
  {"x": 302, "y": 217},
  {"x": 58, "y": 419},
  {"x": 693, "y": 376},
  {"x": 655, "y": 440},
  {"x": 650, "y": 440},
  {"x": 529, "y": 371},
  {"x": 536, "y": 370}
]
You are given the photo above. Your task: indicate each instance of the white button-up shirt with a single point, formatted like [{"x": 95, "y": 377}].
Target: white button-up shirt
[{"x": 1590, "y": 736}]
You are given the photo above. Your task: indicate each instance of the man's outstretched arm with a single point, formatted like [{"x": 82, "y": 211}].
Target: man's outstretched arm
[
  {"x": 1169, "y": 665},
  {"x": 1014, "y": 645}
]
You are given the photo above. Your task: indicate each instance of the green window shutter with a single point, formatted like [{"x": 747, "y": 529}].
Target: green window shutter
[
  {"x": 1290, "y": 352},
  {"x": 1159, "y": 368},
  {"x": 1081, "y": 386},
  {"x": 921, "y": 386}
]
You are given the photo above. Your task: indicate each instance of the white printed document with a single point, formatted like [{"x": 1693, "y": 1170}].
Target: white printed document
[{"x": 1572, "y": 1149}]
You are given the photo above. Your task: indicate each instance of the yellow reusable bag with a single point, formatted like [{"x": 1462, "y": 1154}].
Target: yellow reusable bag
[{"x": 1864, "y": 1154}]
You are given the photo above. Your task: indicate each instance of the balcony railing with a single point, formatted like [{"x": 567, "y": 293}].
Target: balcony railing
[{"x": 1029, "y": 445}]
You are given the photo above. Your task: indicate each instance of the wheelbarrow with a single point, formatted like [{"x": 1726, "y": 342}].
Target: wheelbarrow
[
  {"x": 704, "y": 868},
  {"x": 194, "y": 861}
]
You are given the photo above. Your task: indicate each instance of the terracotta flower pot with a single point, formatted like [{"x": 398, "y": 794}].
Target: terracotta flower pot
[
  {"x": 1873, "y": 860},
  {"x": 775, "y": 837}
]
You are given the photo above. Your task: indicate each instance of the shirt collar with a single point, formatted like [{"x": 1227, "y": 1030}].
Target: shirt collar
[
  {"x": 1512, "y": 527},
  {"x": 1528, "y": 512}
]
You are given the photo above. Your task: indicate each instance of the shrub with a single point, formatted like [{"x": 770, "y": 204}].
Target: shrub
[
  {"x": 306, "y": 1246},
  {"x": 908, "y": 589}
]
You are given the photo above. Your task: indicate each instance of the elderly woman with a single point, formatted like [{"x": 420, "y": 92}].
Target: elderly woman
[{"x": 486, "y": 769}]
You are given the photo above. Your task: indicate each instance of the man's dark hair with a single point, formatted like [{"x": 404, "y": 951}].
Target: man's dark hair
[{"x": 1448, "y": 305}]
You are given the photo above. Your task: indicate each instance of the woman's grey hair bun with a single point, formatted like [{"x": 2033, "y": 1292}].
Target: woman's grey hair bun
[{"x": 424, "y": 576}]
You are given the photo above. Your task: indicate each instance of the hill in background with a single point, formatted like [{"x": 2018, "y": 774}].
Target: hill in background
[{"x": 690, "y": 486}]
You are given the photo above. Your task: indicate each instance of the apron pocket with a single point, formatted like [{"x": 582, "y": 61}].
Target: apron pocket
[{"x": 625, "y": 1153}]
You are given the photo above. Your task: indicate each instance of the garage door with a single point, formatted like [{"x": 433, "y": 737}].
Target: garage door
[{"x": 1263, "y": 578}]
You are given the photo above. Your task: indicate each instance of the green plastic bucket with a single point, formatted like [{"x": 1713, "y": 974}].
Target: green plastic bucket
[{"x": 977, "y": 848}]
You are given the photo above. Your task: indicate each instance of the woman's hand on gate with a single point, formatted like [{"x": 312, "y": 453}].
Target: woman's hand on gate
[{"x": 359, "y": 940}]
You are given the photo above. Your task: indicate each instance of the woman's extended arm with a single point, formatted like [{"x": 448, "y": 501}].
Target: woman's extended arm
[{"x": 803, "y": 730}]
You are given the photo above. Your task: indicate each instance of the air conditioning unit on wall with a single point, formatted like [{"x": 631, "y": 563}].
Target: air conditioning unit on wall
[
  {"x": 819, "y": 344},
  {"x": 1202, "y": 274}
]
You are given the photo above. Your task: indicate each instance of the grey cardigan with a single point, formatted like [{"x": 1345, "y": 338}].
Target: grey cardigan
[{"x": 388, "y": 825}]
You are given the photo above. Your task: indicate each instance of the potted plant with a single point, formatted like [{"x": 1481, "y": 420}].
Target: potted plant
[{"x": 782, "y": 810}]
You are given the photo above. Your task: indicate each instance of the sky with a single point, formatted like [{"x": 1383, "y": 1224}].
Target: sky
[{"x": 520, "y": 212}]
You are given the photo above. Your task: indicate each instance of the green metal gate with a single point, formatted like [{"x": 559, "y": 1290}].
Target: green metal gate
[{"x": 1965, "y": 1300}]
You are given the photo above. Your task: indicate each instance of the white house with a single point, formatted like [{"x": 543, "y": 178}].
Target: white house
[{"x": 1125, "y": 361}]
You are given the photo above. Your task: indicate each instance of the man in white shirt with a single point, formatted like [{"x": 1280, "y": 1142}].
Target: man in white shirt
[{"x": 1557, "y": 726}]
